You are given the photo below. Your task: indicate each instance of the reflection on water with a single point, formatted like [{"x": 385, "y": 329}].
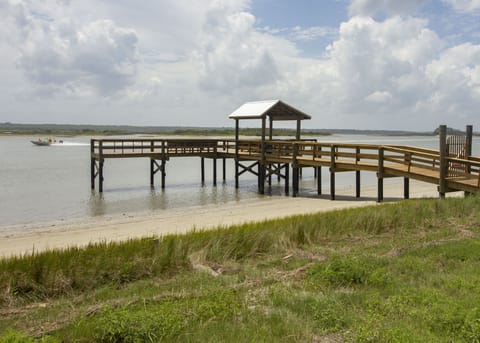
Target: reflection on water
[
  {"x": 53, "y": 183},
  {"x": 96, "y": 204}
]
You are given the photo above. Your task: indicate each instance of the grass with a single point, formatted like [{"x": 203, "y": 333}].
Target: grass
[{"x": 404, "y": 272}]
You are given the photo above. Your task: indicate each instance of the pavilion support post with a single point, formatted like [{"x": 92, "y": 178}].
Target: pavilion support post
[
  {"x": 261, "y": 165},
  {"x": 406, "y": 188},
  {"x": 332, "y": 172},
  {"x": 279, "y": 167},
  {"x": 318, "y": 172},
  {"x": 299, "y": 128},
  {"x": 236, "y": 153},
  {"x": 270, "y": 129},
  {"x": 380, "y": 174},
  {"x": 442, "y": 185},
  {"x": 202, "y": 169}
]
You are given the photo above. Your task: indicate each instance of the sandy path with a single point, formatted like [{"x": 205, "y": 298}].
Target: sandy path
[{"x": 14, "y": 241}]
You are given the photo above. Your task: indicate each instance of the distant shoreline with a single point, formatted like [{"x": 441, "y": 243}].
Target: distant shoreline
[{"x": 7, "y": 129}]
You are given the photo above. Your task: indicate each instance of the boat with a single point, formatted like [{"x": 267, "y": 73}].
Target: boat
[{"x": 45, "y": 142}]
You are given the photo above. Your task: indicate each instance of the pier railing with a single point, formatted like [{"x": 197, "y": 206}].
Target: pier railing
[{"x": 386, "y": 160}]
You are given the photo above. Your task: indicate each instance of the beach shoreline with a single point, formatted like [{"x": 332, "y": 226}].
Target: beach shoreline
[{"x": 27, "y": 239}]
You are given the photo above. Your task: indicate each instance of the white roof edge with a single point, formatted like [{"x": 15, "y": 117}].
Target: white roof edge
[
  {"x": 257, "y": 109},
  {"x": 253, "y": 109}
]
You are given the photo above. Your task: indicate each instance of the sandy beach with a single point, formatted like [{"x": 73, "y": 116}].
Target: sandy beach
[{"x": 18, "y": 240}]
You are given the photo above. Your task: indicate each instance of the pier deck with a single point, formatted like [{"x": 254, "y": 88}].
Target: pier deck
[{"x": 276, "y": 157}]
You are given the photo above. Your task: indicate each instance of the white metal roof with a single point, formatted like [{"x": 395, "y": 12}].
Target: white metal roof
[{"x": 275, "y": 109}]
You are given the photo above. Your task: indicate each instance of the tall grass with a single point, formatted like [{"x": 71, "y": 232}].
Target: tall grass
[
  {"x": 59, "y": 272},
  {"x": 322, "y": 277}
]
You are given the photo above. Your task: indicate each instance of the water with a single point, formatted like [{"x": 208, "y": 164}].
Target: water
[{"x": 42, "y": 184}]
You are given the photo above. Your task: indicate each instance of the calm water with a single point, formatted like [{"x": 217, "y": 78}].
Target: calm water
[{"x": 42, "y": 184}]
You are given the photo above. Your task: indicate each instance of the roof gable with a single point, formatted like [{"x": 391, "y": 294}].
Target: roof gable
[{"x": 275, "y": 109}]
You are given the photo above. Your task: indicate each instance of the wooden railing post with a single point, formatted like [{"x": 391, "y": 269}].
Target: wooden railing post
[
  {"x": 357, "y": 173},
  {"x": 295, "y": 176},
  {"x": 442, "y": 183},
  {"x": 381, "y": 155},
  {"x": 332, "y": 172}
]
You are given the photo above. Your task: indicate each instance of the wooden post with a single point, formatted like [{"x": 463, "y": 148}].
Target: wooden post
[
  {"x": 357, "y": 175},
  {"x": 224, "y": 169},
  {"x": 406, "y": 188},
  {"x": 287, "y": 178},
  {"x": 202, "y": 168},
  {"x": 468, "y": 150},
  {"x": 92, "y": 164},
  {"x": 380, "y": 174},
  {"x": 163, "y": 172},
  {"x": 100, "y": 166},
  {"x": 319, "y": 179},
  {"x": 214, "y": 171},
  {"x": 299, "y": 125},
  {"x": 152, "y": 172},
  {"x": 236, "y": 153},
  {"x": 295, "y": 176},
  {"x": 442, "y": 185},
  {"x": 332, "y": 172},
  {"x": 295, "y": 181},
  {"x": 152, "y": 166},
  {"x": 469, "y": 134},
  {"x": 270, "y": 127},
  {"x": 261, "y": 164}
]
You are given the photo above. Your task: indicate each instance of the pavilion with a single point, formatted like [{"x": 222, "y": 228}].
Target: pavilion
[{"x": 274, "y": 110}]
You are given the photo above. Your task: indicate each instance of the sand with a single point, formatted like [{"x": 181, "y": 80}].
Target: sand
[{"x": 42, "y": 236}]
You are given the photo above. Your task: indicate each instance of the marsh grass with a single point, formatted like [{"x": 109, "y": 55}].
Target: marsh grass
[{"x": 404, "y": 272}]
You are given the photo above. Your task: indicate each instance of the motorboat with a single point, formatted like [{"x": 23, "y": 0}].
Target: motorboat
[{"x": 45, "y": 142}]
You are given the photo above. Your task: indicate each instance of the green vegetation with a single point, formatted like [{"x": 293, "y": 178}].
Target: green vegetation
[
  {"x": 109, "y": 130},
  {"x": 404, "y": 272}
]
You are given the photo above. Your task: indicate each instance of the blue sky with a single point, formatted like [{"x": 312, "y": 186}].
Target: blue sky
[{"x": 361, "y": 64}]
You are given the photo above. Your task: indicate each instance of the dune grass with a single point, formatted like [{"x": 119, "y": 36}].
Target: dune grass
[{"x": 404, "y": 272}]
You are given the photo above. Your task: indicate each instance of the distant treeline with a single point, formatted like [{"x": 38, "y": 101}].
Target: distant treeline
[{"x": 105, "y": 130}]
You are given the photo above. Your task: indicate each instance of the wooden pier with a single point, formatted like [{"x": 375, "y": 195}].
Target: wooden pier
[{"x": 450, "y": 168}]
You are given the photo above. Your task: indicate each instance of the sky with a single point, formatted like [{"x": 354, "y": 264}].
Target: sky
[{"x": 352, "y": 64}]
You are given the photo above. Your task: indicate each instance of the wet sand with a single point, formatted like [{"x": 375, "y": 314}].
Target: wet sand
[{"x": 25, "y": 240}]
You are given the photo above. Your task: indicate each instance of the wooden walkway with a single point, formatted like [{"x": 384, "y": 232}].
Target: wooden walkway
[{"x": 277, "y": 158}]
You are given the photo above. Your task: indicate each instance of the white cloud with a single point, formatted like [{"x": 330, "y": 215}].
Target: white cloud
[
  {"x": 60, "y": 55},
  {"x": 464, "y": 5},
  {"x": 233, "y": 56},
  {"x": 193, "y": 62}
]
